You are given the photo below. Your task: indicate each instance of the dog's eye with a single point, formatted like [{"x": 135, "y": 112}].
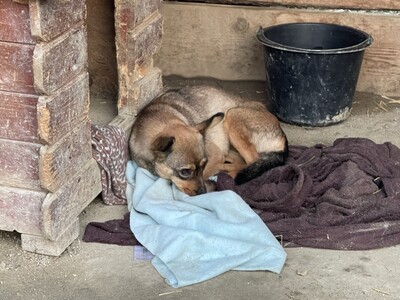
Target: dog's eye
[{"x": 185, "y": 173}]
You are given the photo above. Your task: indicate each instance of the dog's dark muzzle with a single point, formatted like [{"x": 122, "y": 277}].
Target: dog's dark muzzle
[{"x": 201, "y": 190}]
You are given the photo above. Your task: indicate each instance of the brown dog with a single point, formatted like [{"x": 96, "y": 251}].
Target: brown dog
[{"x": 190, "y": 134}]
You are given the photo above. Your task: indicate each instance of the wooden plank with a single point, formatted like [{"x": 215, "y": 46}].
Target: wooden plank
[
  {"x": 60, "y": 113},
  {"x": 18, "y": 119},
  {"x": 21, "y": 210},
  {"x": 142, "y": 91},
  {"x": 123, "y": 121},
  {"x": 19, "y": 163},
  {"x": 129, "y": 13},
  {"x": 64, "y": 206},
  {"x": 61, "y": 161},
  {"x": 143, "y": 43},
  {"x": 61, "y": 60},
  {"x": 41, "y": 245},
  {"x": 14, "y": 23},
  {"x": 50, "y": 19},
  {"x": 355, "y": 4},
  {"x": 138, "y": 29},
  {"x": 221, "y": 42},
  {"x": 16, "y": 73}
]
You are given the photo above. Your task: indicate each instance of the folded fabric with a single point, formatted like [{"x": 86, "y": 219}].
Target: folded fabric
[
  {"x": 110, "y": 150},
  {"x": 197, "y": 238},
  {"x": 115, "y": 232}
]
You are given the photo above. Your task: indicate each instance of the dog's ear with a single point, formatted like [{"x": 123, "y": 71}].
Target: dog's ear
[
  {"x": 214, "y": 120},
  {"x": 163, "y": 144}
]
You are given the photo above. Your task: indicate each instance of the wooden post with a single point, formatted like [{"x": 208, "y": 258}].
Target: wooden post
[
  {"x": 47, "y": 176},
  {"x": 138, "y": 26}
]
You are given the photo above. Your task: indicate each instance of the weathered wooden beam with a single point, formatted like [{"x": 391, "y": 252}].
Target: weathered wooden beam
[
  {"x": 61, "y": 161},
  {"x": 62, "y": 207},
  {"x": 354, "y": 4},
  {"x": 21, "y": 210},
  {"x": 221, "y": 42},
  {"x": 16, "y": 68},
  {"x": 41, "y": 245},
  {"x": 59, "y": 113},
  {"x": 142, "y": 91},
  {"x": 124, "y": 122},
  {"x": 18, "y": 117},
  {"x": 50, "y": 19},
  {"x": 59, "y": 61},
  {"x": 143, "y": 43},
  {"x": 138, "y": 28},
  {"x": 19, "y": 163},
  {"x": 14, "y": 23}
]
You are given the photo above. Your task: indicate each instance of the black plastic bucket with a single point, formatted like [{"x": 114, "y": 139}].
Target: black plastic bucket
[{"x": 312, "y": 70}]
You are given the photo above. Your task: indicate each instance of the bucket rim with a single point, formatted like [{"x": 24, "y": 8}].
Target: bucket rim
[{"x": 355, "y": 48}]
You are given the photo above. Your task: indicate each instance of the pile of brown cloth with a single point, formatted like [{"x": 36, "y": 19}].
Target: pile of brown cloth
[
  {"x": 117, "y": 232},
  {"x": 345, "y": 196},
  {"x": 110, "y": 150}
]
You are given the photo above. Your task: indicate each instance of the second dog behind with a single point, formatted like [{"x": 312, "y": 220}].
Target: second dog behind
[{"x": 190, "y": 134}]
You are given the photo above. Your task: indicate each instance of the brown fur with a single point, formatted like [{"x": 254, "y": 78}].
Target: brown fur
[{"x": 191, "y": 134}]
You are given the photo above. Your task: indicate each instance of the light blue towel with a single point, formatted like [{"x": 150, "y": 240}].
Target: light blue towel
[{"x": 197, "y": 238}]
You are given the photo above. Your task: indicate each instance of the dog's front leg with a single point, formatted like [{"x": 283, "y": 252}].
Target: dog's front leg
[
  {"x": 233, "y": 163},
  {"x": 215, "y": 160}
]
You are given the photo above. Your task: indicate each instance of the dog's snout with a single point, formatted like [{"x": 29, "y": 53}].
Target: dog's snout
[{"x": 201, "y": 190}]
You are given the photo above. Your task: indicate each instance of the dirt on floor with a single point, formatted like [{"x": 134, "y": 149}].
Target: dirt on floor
[{"x": 98, "y": 271}]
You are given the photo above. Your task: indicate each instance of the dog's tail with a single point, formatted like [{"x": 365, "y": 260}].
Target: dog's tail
[{"x": 266, "y": 162}]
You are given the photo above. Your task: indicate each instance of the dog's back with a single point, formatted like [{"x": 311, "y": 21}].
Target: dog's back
[{"x": 199, "y": 103}]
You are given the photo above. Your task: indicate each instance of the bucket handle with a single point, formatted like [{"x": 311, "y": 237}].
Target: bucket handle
[{"x": 263, "y": 40}]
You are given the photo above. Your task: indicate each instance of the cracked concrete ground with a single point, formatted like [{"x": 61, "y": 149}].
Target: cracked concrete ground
[{"x": 97, "y": 271}]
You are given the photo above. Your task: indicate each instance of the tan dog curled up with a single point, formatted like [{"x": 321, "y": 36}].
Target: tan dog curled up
[{"x": 190, "y": 134}]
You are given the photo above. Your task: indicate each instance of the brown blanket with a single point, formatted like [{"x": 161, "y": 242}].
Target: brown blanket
[
  {"x": 345, "y": 196},
  {"x": 116, "y": 232}
]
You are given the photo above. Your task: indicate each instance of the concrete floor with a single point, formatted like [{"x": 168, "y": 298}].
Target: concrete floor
[{"x": 97, "y": 271}]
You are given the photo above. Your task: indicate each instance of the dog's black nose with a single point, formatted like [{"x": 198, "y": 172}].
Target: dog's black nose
[{"x": 201, "y": 190}]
